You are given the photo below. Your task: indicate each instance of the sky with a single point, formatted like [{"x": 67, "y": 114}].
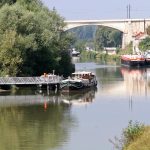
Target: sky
[{"x": 99, "y": 9}]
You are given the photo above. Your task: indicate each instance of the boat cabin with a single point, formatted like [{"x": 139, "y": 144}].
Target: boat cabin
[{"x": 83, "y": 75}]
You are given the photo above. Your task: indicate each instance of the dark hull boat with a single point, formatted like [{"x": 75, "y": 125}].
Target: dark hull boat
[
  {"x": 147, "y": 61},
  {"x": 147, "y": 58},
  {"x": 78, "y": 81},
  {"x": 71, "y": 84},
  {"x": 133, "y": 60}
]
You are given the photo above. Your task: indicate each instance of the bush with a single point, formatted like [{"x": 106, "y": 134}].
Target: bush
[{"x": 132, "y": 132}]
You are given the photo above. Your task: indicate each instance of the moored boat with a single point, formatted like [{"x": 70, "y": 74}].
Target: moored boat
[
  {"x": 79, "y": 80},
  {"x": 133, "y": 60},
  {"x": 147, "y": 58},
  {"x": 75, "y": 53}
]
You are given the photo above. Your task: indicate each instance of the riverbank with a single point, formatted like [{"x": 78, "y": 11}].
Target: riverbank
[
  {"x": 142, "y": 142},
  {"x": 135, "y": 137},
  {"x": 100, "y": 56}
]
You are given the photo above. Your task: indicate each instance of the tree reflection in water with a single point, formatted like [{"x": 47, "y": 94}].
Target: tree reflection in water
[
  {"x": 37, "y": 121},
  {"x": 27, "y": 125}
]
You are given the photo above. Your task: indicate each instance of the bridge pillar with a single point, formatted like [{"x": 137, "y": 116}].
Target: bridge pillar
[
  {"x": 127, "y": 33},
  {"x": 126, "y": 39}
]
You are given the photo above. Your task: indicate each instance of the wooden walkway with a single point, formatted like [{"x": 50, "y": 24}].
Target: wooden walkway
[{"x": 42, "y": 80}]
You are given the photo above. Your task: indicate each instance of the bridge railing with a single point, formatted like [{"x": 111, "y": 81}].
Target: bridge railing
[{"x": 30, "y": 80}]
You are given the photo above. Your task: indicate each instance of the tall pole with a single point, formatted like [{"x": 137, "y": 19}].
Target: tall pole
[{"x": 129, "y": 10}]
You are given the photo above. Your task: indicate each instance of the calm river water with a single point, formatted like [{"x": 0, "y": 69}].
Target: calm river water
[{"x": 32, "y": 120}]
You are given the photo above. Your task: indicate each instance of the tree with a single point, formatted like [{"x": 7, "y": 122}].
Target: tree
[
  {"x": 10, "y": 56},
  {"x": 107, "y": 37},
  {"x": 100, "y": 38},
  {"x": 33, "y": 36},
  {"x": 10, "y": 2},
  {"x": 145, "y": 44}
]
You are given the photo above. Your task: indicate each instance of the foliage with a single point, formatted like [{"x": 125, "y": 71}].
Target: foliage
[
  {"x": 84, "y": 36},
  {"x": 88, "y": 54},
  {"x": 68, "y": 66},
  {"x": 10, "y": 2},
  {"x": 127, "y": 50},
  {"x": 31, "y": 39},
  {"x": 142, "y": 142},
  {"x": 107, "y": 37},
  {"x": 84, "y": 32},
  {"x": 99, "y": 39},
  {"x": 132, "y": 132},
  {"x": 130, "y": 135},
  {"x": 96, "y": 37},
  {"x": 10, "y": 56},
  {"x": 80, "y": 45},
  {"x": 145, "y": 44}
]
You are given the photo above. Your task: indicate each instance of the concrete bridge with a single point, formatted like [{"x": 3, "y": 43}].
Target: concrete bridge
[{"x": 129, "y": 27}]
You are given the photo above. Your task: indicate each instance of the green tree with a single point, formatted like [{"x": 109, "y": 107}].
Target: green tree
[
  {"x": 107, "y": 37},
  {"x": 145, "y": 44},
  {"x": 10, "y": 56},
  {"x": 83, "y": 35},
  {"x": 37, "y": 39},
  {"x": 116, "y": 38},
  {"x": 10, "y": 2}
]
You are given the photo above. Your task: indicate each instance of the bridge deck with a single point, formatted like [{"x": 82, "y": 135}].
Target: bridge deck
[{"x": 53, "y": 79}]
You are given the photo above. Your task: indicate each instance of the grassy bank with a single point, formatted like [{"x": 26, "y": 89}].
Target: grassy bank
[
  {"x": 135, "y": 137},
  {"x": 104, "y": 56},
  {"x": 142, "y": 142},
  {"x": 100, "y": 56}
]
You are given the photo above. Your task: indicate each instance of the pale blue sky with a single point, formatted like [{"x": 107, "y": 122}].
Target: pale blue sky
[{"x": 99, "y": 9}]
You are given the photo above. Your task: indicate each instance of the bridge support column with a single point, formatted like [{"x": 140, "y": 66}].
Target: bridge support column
[{"x": 126, "y": 39}]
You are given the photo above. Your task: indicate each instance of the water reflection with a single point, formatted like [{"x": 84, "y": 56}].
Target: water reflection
[
  {"x": 34, "y": 122},
  {"x": 83, "y": 97},
  {"x": 38, "y": 121},
  {"x": 136, "y": 81},
  {"x": 32, "y": 128},
  {"x": 75, "y": 59},
  {"x": 42, "y": 98}
]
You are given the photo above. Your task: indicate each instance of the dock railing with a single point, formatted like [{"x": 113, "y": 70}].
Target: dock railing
[{"x": 53, "y": 79}]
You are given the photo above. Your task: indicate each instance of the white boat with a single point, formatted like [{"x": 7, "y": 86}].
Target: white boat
[
  {"x": 79, "y": 80},
  {"x": 75, "y": 53}
]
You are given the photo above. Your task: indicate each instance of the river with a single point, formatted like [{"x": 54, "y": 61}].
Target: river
[{"x": 87, "y": 120}]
